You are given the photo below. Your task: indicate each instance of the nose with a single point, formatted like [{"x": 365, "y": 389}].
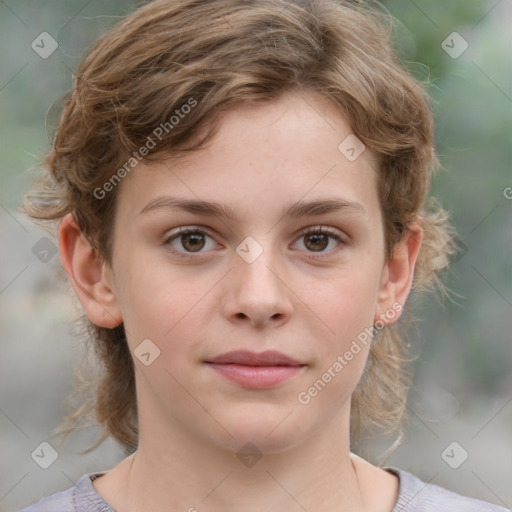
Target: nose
[{"x": 256, "y": 293}]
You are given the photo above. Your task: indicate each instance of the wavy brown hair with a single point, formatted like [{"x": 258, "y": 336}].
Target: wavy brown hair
[{"x": 225, "y": 54}]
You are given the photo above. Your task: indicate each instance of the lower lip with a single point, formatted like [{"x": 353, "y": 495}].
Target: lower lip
[{"x": 256, "y": 377}]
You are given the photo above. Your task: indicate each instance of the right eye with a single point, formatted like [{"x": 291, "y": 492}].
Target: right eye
[{"x": 190, "y": 240}]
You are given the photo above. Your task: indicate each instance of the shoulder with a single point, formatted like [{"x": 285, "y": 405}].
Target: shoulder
[
  {"x": 62, "y": 501},
  {"x": 82, "y": 497},
  {"x": 418, "y": 496}
]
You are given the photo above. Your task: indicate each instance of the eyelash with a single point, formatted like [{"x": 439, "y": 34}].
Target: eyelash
[{"x": 315, "y": 230}]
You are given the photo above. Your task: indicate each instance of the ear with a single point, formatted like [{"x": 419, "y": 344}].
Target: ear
[
  {"x": 398, "y": 275},
  {"x": 90, "y": 277}
]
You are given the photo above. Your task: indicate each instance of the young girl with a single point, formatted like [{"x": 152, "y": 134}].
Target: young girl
[{"x": 241, "y": 195}]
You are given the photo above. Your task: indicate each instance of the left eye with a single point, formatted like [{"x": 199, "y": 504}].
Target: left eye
[{"x": 318, "y": 240}]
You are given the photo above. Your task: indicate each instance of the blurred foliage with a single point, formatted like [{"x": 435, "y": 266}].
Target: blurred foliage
[{"x": 472, "y": 102}]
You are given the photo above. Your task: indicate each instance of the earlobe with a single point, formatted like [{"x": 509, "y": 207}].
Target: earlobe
[
  {"x": 398, "y": 275},
  {"x": 90, "y": 277}
]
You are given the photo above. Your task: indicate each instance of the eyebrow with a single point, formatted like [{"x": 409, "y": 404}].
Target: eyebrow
[{"x": 299, "y": 209}]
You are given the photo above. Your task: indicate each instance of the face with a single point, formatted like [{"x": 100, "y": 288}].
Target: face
[{"x": 288, "y": 266}]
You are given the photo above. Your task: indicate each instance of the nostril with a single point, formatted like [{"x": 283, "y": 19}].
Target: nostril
[{"x": 241, "y": 315}]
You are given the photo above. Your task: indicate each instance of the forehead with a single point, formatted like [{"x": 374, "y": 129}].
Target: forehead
[{"x": 261, "y": 157}]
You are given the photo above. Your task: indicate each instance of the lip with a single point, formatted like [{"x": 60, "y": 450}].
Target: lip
[
  {"x": 248, "y": 358},
  {"x": 255, "y": 370}
]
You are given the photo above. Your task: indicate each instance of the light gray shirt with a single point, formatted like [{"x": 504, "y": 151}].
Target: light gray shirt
[{"x": 414, "y": 496}]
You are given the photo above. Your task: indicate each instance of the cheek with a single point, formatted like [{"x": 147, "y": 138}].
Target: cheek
[
  {"x": 158, "y": 301},
  {"x": 345, "y": 305}
]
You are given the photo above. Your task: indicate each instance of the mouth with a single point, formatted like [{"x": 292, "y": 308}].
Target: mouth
[{"x": 253, "y": 370}]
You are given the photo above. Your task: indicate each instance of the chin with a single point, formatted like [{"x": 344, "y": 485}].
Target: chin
[{"x": 262, "y": 428}]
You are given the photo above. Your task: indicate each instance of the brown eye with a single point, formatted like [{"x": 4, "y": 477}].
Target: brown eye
[
  {"x": 190, "y": 241},
  {"x": 316, "y": 241},
  {"x": 322, "y": 240},
  {"x": 193, "y": 241}
]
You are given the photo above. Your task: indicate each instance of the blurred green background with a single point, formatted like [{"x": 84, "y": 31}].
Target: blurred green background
[{"x": 463, "y": 384}]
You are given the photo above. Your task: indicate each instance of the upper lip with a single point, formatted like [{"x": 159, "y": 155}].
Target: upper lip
[{"x": 247, "y": 358}]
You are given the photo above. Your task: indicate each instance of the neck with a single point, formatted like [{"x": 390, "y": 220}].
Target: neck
[{"x": 190, "y": 473}]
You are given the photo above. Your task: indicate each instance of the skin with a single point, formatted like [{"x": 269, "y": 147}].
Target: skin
[{"x": 192, "y": 420}]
